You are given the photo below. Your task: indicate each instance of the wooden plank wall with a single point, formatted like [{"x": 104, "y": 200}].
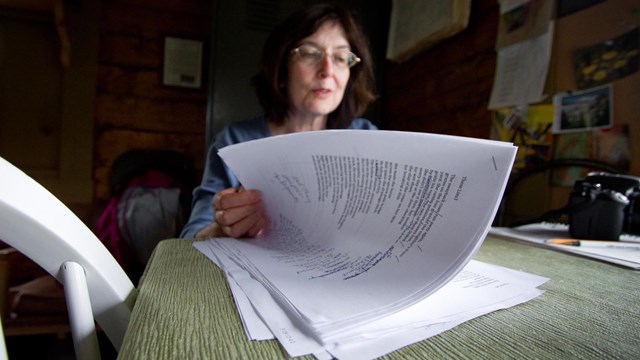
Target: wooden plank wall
[
  {"x": 445, "y": 89},
  {"x": 133, "y": 108}
]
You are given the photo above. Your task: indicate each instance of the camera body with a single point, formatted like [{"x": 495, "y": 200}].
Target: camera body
[{"x": 603, "y": 206}]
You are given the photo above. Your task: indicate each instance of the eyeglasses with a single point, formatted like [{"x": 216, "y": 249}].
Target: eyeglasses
[{"x": 312, "y": 55}]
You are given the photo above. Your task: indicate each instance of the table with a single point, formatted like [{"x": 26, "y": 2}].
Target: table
[{"x": 590, "y": 309}]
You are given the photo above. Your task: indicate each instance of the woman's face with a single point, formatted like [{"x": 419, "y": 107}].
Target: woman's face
[{"x": 316, "y": 89}]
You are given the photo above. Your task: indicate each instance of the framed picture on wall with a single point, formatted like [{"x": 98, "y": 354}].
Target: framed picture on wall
[{"x": 182, "y": 62}]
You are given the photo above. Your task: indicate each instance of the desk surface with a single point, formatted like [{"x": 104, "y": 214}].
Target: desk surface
[{"x": 590, "y": 309}]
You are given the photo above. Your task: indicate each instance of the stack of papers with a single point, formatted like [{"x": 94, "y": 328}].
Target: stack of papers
[
  {"x": 625, "y": 252},
  {"x": 478, "y": 289},
  {"x": 370, "y": 239}
]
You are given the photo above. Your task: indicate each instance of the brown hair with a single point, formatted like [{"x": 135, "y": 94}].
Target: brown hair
[{"x": 274, "y": 65}]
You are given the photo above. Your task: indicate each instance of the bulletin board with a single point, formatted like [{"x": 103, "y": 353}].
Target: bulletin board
[
  {"x": 592, "y": 79},
  {"x": 594, "y": 27}
]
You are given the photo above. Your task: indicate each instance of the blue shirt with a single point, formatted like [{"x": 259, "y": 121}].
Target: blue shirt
[{"x": 217, "y": 176}]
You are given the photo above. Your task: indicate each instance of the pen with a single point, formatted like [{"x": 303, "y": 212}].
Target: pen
[{"x": 595, "y": 244}]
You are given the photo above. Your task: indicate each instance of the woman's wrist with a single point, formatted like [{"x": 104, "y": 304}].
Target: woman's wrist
[{"x": 213, "y": 230}]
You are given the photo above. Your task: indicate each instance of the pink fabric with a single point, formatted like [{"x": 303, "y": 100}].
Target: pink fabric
[{"x": 107, "y": 229}]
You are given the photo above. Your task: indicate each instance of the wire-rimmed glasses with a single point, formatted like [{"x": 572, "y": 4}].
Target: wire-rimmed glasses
[{"x": 312, "y": 55}]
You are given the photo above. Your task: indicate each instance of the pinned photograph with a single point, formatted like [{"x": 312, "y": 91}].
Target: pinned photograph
[
  {"x": 607, "y": 61},
  {"x": 583, "y": 110}
]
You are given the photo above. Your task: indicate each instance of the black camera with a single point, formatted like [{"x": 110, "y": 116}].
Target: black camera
[{"x": 603, "y": 206}]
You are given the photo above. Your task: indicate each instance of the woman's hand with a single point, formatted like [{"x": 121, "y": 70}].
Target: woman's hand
[{"x": 236, "y": 214}]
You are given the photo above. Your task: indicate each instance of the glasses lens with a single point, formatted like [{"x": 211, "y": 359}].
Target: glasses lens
[
  {"x": 345, "y": 59},
  {"x": 313, "y": 55},
  {"x": 341, "y": 58},
  {"x": 309, "y": 54}
]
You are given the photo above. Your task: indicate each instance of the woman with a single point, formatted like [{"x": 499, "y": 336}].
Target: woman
[{"x": 315, "y": 73}]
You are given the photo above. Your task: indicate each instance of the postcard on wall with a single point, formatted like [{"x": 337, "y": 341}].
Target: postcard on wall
[
  {"x": 607, "y": 61},
  {"x": 611, "y": 146},
  {"x": 570, "y": 146},
  {"x": 523, "y": 20},
  {"x": 528, "y": 128},
  {"x": 583, "y": 110}
]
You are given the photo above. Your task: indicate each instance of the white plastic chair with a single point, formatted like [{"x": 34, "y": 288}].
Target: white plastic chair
[{"x": 36, "y": 223}]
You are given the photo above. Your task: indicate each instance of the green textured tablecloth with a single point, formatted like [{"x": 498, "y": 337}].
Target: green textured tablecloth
[{"x": 590, "y": 309}]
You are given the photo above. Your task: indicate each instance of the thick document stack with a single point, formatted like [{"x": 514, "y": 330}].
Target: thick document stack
[{"x": 370, "y": 239}]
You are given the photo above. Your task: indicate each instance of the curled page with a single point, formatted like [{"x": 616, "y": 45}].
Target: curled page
[{"x": 363, "y": 224}]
